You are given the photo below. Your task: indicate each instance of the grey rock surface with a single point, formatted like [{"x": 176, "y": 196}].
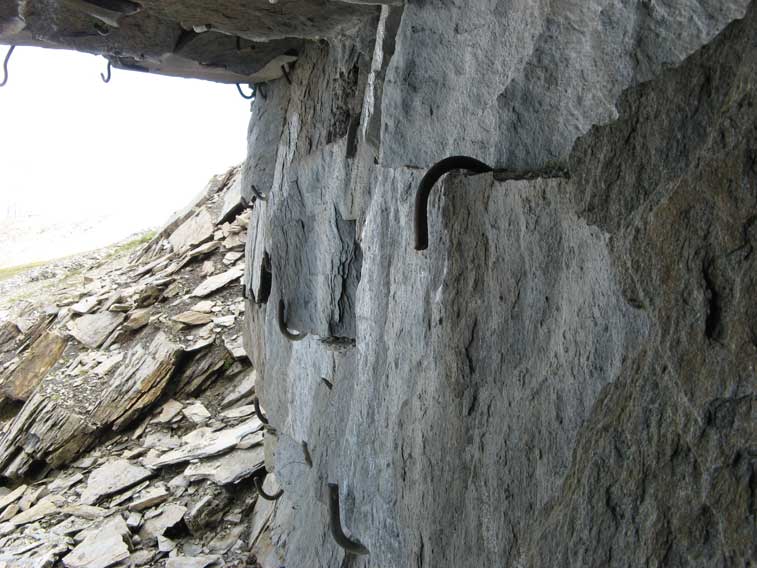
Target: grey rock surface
[
  {"x": 562, "y": 378},
  {"x": 565, "y": 377},
  {"x": 515, "y": 83}
]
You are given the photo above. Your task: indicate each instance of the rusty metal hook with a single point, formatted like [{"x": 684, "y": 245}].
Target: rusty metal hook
[
  {"x": 335, "y": 520},
  {"x": 283, "y": 326},
  {"x": 258, "y": 412},
  {"x": 259, "y": 196},
  {"x": 267, "y": 496},
  {"x": 5, "y": 65},
  {"x": 427, "y": 183},
  {"x": 247, "y": 97},
  {"x": 103, "y": 77}
]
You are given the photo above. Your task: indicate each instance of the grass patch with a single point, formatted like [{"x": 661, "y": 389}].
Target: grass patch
[
  {"x": 12, "y": 271},
  {"x": 134, "y": 243}
]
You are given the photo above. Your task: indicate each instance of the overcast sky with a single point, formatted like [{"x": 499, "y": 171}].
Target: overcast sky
[{"x": 140, "y": 147}]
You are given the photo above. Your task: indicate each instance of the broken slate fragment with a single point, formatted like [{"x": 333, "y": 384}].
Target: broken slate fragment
[
  {"x": 111, "y": 478},
  {"x": 205, "y": 443},
  {"x": 169, "y": 517},
  {"x": 102, "y": 548},
  {"x": 201, "y": 561},
  {"x": 168, "y": 412},
  {"x": 197, "y": 413},
  {"x": 230, "y": 468},
  {"x": 194, "y": 231},
  {"x": 93, "y": 329},
  {"x": 13, "y": 496},
  {"x": 205, "y": 306},
  {"x": 46, "y": 507},
  {"x": 217, "y": 282},
  {"x": 151, "y": 497},
  {"x": 85, "y": 306},
  {"x": 138, "y": 319},
  {"x": 191, "y": 318},
  {"x": 35, "y": 364},
  {"x": 243, "y": 387},
  {"x": 138, "y": 382},
  {"x": 239, "y": 412}
]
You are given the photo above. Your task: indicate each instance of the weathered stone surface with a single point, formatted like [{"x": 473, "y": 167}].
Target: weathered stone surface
[
  {"x": 230, "y": 468},
  {"x": 85, "y": 306},
  {"x": 200, "y": 561},
  {"x": 204, "y": 443},
  {"x": 102, "y": 548},
  {"x": 168, "y": 411},
  {"x": 13, "y": 496},
  {"x": 93, "y": 329},
  {"x": 196, "y": 413},
  {"x": 194, "y": 231},
  {"x": 217, "y": 282},
  {"x": 36, "y": 362},
  {"x": 138, "y": 319},
  {"x": 170, "y": 516},
  {"x": 514, "y": 85},
  {"x": 243, "y": 386},
  {"x": 565, "y": 376},
  {"x": 111, "y": 478},
  {"x": 192, "y": 318},
  {"x": 139, "y": 381},
  {"x": 46, "y": 507}
]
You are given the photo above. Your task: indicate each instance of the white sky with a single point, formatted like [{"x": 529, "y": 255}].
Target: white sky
[{"x": 73, "y": 148}]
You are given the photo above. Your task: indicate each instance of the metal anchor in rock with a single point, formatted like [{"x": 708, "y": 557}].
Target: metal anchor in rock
[
  {"x": 251, "y": 95},
  {"x": 106, "y": 79},
  {"x": 477, "y": 167},
  {"x": 259, "y": 487},
  {"x": 283, "y": 326},
  {"x": 258, "y": 412},
  {"x": 335, "y": 521},
  {"x": 427, "y": 183},
  {"x": 5, "y": 65}
]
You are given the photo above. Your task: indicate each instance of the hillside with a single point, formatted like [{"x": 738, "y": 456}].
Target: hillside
[{"x": 128, "y": 430}]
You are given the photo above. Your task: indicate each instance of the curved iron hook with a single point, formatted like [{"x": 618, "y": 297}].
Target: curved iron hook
[
  {"x": 335, "y": 520},
  {"x": 5, "y": 66},
  {"x": 259, "y": 196},
  {"x": 283, "y": 326},
  {"x": 267, "y": 496},
  {"x": 427, "y": 183},
  {"x": 103, "y": 77},
  {"x": 258, "y": 412},
  {"x": 246, "y": 97}
]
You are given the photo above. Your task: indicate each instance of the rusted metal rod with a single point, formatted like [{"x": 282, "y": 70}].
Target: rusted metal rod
[
  {"x": 103, "y": 77},
  {"x": 427, "y": 183},
  {"x": 283, "y": 325},
  {"x": 267, "y": 496},
  {"x": 259, "y": 196},
  {"x": 258, "y": 412},
  {"x": 5, "y": 65},
  {"x": 241, "y": 92},
  {"x": 335, "y": 520}
]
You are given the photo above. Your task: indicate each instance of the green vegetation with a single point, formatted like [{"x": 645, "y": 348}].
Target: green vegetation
[
  {"x": 134, "y": 243},
  {"x": 6, "y": 273}
]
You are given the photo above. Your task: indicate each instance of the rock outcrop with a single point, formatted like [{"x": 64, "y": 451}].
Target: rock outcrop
[
  {"x": 134, "y": 426},
  {"x": 564, "y": 377}
]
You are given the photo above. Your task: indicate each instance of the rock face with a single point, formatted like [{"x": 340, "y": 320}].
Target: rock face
[{"x": 565, "y": 377}]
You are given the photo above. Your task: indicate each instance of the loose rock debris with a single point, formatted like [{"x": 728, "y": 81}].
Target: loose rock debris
[{"x": 128, "y": 435}]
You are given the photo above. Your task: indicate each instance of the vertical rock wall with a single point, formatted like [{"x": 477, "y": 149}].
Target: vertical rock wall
[{"x": 566, "y": 376}]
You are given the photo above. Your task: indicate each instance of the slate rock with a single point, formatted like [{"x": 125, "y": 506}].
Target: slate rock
[
  {"x": 111, "y": 478},
  {"x": 93, "y": 329}
]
